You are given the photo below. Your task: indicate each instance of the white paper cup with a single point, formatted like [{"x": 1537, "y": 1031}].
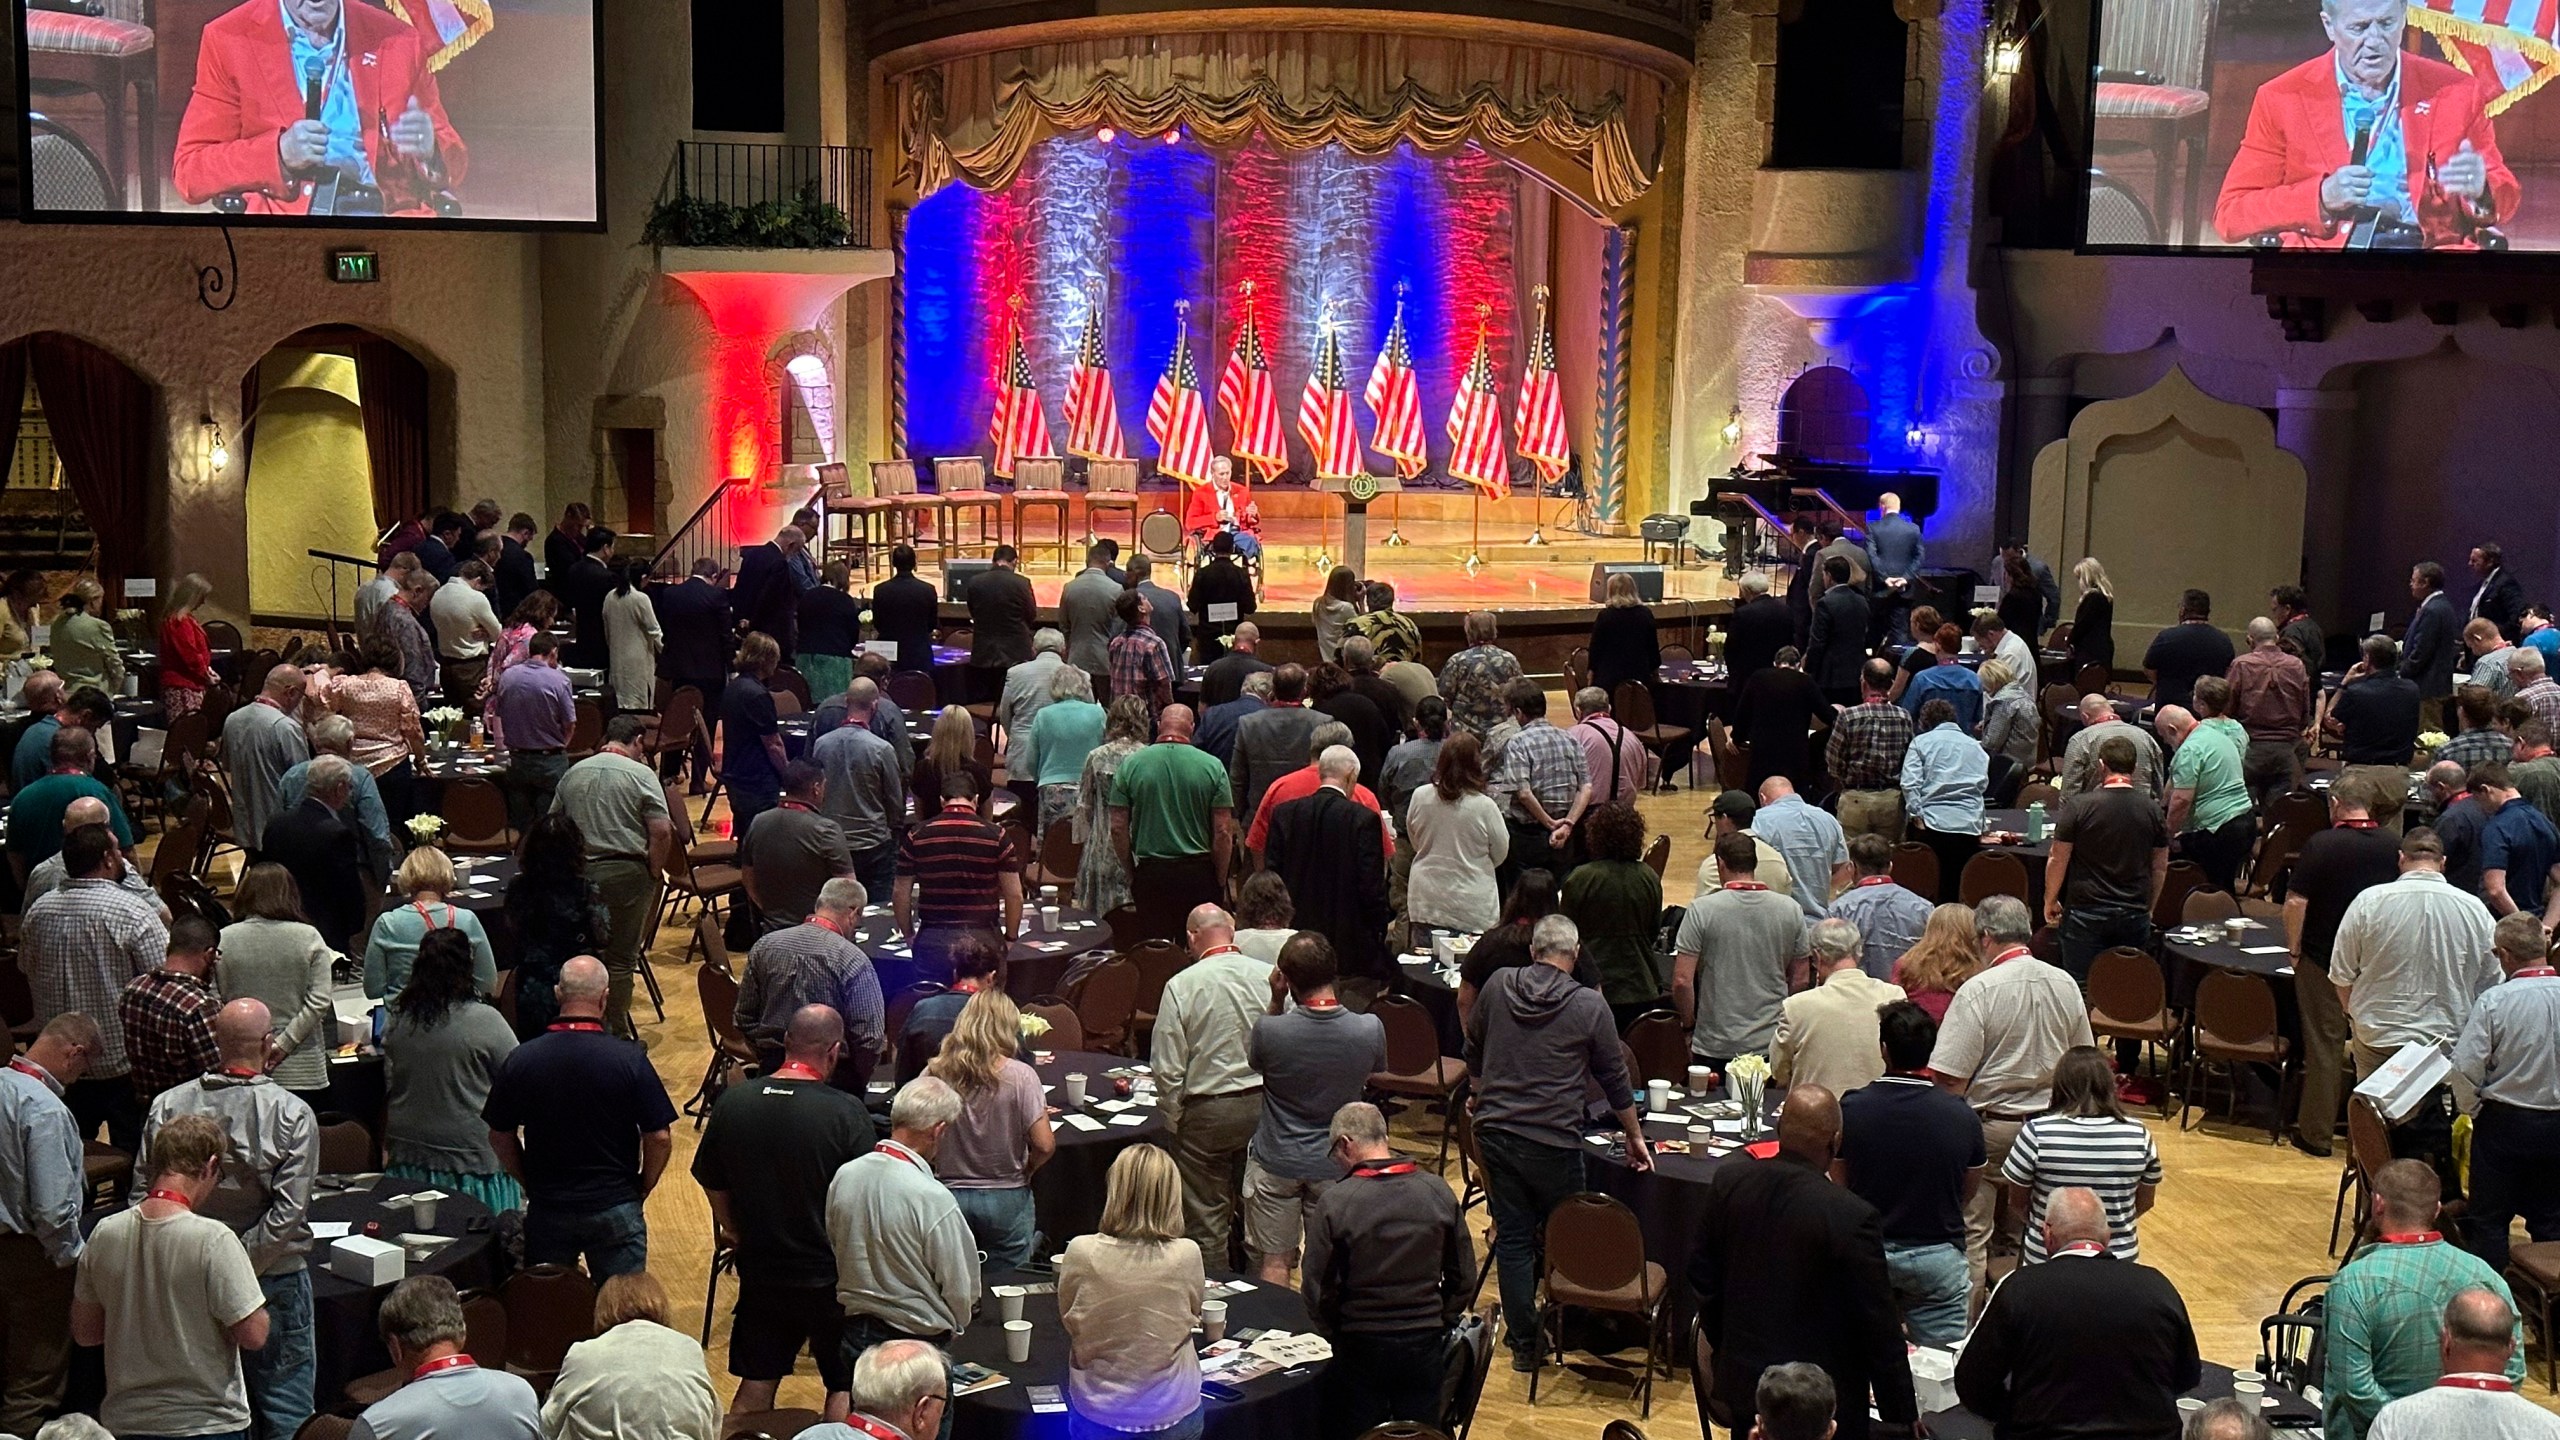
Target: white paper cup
[
  {"x": 423, "y": 1212},
  {"x": 1701, "y": 1079},
  {"x": 1010, "y": 1296},
  {"x": 2247, "y": 1387},
  {"x": 1049, "y": 918},
  {"x": 1699, "y": 1136},
  {"x": 2235, "y": 930},
  {"x": 1017, "y": 1340},
  {"x": 1213, "y": 1320},
  {"x": 1075, "y": 1090},
  {"x": 2189, "y": 1402},
  {"x": 1658, "y": 1094}
]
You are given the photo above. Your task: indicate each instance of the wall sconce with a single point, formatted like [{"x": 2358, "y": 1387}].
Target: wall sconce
[
  {"x": 1732, "y": 431},
  {"x": 1106, "y": 134},
  {"x": 1915, "y": 436},
  {"x": 2006, "y": 56},
  {"x": 217, "y": 453}
]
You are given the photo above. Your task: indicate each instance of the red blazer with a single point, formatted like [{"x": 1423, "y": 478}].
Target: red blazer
[
  {"x": 247, "y": 94},
  {"x": 2297, "y": 137},
  {"x": 1200, "y": 509}
]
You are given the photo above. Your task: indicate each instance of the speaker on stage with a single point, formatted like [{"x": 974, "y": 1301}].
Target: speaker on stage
[
  {"x": 956, "y": 575},
  {"x": 1648, "y": 580}
]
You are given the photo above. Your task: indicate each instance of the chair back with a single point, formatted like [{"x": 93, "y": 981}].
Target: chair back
[
  {"x": 346, "y": 1148},
  {"x": 959, "y": 472},
  {"x": 707, "y": 932},
  {"x": 2184, "y": 877},
  {"x": 1915, "y": 868},
  {"x": 2092, "y": 680},
  {"x": 1626, "y": 1430},
  {"x": 1413, "y": 1042},
  {"x": 1733, "y": 761},
  {"x": 901, "y": 1005},
  {"x": 1657, "y": 856},
  {"x": 679, "y": 819},
  {"x": 484, "y": 1320},
  {"x": 2235, "y": 1009},
  {"x": 324, "y": 1427},
  {"x": 2039, "y": 793},
  {"x": 787, "y": 680},
  {"x": 718, "y": 991},
  {"x": 1661, "y": 1047},
  {"x": 1633, "y": 705},
  {"x": 586, "y": 736},
  {"x": 893, "y": 477},
  {"x": 1157, "y": 961},
  {"x": 1038, "y": 472},
  {"x": 1066, "y": 1032},
  {"x": 549, "y": 1308},
  {"x": 2368, "y": 1141},
  {"x": 2167, "y": 39},
  {"x": 180, "y": 843},
  {"x": 2207, "y": 907},
  {"x": 223, "y": 635},
  {"x": 2307, "y": 811},
  {"x": 1595, "y": 1242},
  {"x": 1160, "y": 536},
  {"x": 1678, "y": 657},
  {"x": 1061, "y": 854},
  {"x": 1401, "y": 1430},
  {"x": 835, "y": 483},
  {"x": 1470, "y": 1360},
  {"x": 2126, "y": 989},
  {"x": 475, "y": 818},
  {"x": 677, "y": 719},
  {"x": 912, "y": 690},
  {"x": 1106, "y": 477},
  {"x": 2276, "y": 851},
  {"x": 1577, "y": 669},
  {"x": 1993, "y": 872},
  {"x": 1106, "y": 1002}
]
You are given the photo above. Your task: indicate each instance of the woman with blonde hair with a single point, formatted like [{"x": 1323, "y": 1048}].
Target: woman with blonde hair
[
  {"x": 1128, "y": 1298},
  {"x": 952, "y": 749},
  {"x": 2093, "y": 621},
  {"x": 1002, "y": 1136},
  {"x": 426, "y": 877},
  {"x": 1625, "y": 643},
  {"x": 186, "y": 656},
  {"x": 83, "y": 644},
  {"x": 2008, "y": 716},
  {"x": 1946, "y": 955},
  {"x": 637, "y": 1379},
  {"x": 1335, "y": 609},
  {"x": 1101, "y": 885},
  {"x": 274, "y": 954}
]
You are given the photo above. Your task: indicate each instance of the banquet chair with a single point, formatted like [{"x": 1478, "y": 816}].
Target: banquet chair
[
  {"x": 787, "y": 680},
  {"x": 1040, "y": 483},
  {"x": 733, "y": 1057},
  {"x": 1657, "y": 856},
  {"x": 2235, "y": 1024},
  {"x": 2129, "y": 1000},
  {"x": 1402, "y": 1430},
  {"x": 1416, "y": 1070},
  {"x": 768, "y": 1424},
  {"x": 2183, "y": 878},
  {"x": 1661, "y": 1048},
  {"x": 107, "y": 55},
  {"x": 1111, "y": 485},
  {"x": 1677, "y": 657},
  {"x": 1632, "y": 707},
  {"x": 1595, "y": 1261},
  {"x": 549, "y": 1308},
  {"x": 1470, "y": 1360},
  {"x": 912, "y": 691},
  {"x": 1993, "y": 872},
  {"x": 1915, "y": 868},
  {"x": 863, "y": 542},
  {"x": 2092, "y": 679},
  {"x": 2307, "y": 811},
  {"x": 1158, "y": 961},
  {"x": 713, "y": 941},
  {"x": 2039, "y": 793},
  {"x": 1106, "y": 1002},
  {"x": 1577, "y": 669},
  {"x": 1160, "y": 540},
  {"x": 180, "y": 842},
  {"x": 1732, "y": 758},
  {"x": 1066, "y": 1032},
  {"x": 2207, "y": 907},
  {"x": 1061, "y": 854},
  {"x": 325, "y": 1427},
  {"x": 2293, "y": 1342},
  {"x": 2533, "y": 1276},
  {"x": 475, "y": 818},
  {"x": 2368, "y": 1150},
  {"x": 106, "y": 1174},
  {"x": 586, "y": 736},
  {"x": 893, "y": 1015},
  {"x": 674, "y": 739},
  {"x": 960, "y": 484},
  {"x": 723, "y": 1259},
  {"x": 346, "y": 1148},
  {"x": 895, "y": 480}
]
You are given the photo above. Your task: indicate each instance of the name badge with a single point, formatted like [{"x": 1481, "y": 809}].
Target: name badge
[
  {"x": 885, "y": 649},
  {"x": 1222, "y": 612},
  {"x": 2374, "y": 625},
  {"x": 1986, "y": 594},
  {"x": 141, "y": 589}
]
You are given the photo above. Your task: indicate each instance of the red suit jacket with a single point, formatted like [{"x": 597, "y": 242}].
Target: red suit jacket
[
  {"x": 1200, "y": 510},
  {"x": 247, "y": 94},
  {"x": 2297, "y": 137}
]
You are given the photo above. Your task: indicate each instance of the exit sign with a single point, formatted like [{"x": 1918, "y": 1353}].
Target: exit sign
[{"x": 354, "y": 267}]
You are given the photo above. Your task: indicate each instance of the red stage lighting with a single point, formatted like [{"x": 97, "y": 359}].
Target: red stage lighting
[
  {"x": 1173, "y": 136},
  {"x": 1106, "y": 134}
]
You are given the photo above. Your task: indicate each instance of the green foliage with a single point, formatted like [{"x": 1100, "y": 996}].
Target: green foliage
[{"x": 803, "y": 220}]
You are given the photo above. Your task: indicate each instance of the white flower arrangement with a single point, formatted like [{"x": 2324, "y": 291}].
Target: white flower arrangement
[
  {"x": 441, "y": 716},
  {"x": 425, "y": 828},
  {"x": 1033, "y": 1027},
  {"x": 39, "y": 662},
  {"x": 1980, "y": 611},
  {"x": 129, "y": 614},
  {"x": 2433, "y": 739}
]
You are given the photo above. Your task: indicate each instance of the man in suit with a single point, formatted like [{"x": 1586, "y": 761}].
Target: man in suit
[
  {"x": 1331, "y": 852},
  {"x": 516, "y": 579},
  {"x": 2433, "y": 643},
  {"x": 2367, "y": 146},
  {"x": 323, "y": 852},
  {"x": 694, "y": 620},
  {"x": 1165, "y": 614},
  {"x": 1775, "y": 715},
  {"x": 1225, "y": 677},
  {"x": 2500, "y": 599},
  {"x": 767, "y": 595},
  {"x": 1839, "y": 645},
  {"x": 307, "y": 95},
  {"x": 582, "y": 590},
  {"x": 1791, "y": 1267},
  {"x": 1001, "y": 611},
  {"x": 1084, "y": 609},
  {"x": 1755, "y": 632},
  {"x": 1894, "y": 556},
  {"x": 904, "y": 611},
  {"x": 1218, "y": 723},
  {"x": 567, "y": 540},
  {"x": 1221, "y": 586},
  {"x": 1273, "y": 741}
]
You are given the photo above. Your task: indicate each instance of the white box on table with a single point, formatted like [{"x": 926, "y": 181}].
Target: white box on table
[{"x": 367, "y": 1261}]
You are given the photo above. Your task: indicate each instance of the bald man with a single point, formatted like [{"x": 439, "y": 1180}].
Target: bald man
[
  {"x": 1212, "y": 1094},
  {"x": 2098, "y": 720},
  {"x": 2473, "y": 1395},
  {"x": 1332, "y": 854},
  {"x": 1173, "y": 822},
  {"x": 49, "y": 874},
  {"x": 1791, "y": 1267},
  {"x": 2082, "y": 1344},
  {"x": 260, "y": 741},
  {"x": 265, "y": 1196}
]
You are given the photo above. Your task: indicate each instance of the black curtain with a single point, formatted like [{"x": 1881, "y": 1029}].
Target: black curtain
[
  {"x": 248, "y": 436},
  {"x": 13, "y": 399},
  {"x": 391, "y": 387},
  {"x": 106, "y": 428}
]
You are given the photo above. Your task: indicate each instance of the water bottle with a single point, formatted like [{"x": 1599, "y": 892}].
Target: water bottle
[{"x": 2035, "y": 823}]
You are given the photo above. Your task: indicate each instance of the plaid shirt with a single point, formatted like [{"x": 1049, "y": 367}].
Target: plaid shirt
[
  {"x": 399, "y": 624},
  {"x": 168, "y": 1030},
  {"x": 1547, "y": 763},
  {"x": 2544, "y": 696},
  {"x": 1140, "y": 667},
  {"x": 2478, "y": 747},
  {"x": 2386, "y": 1314},
  {"x": 79, "y": 946},
  {"x": 1866, "y": 746}
]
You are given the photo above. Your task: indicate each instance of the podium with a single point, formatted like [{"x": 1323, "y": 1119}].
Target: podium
[{"x": 1356, "y": 492}]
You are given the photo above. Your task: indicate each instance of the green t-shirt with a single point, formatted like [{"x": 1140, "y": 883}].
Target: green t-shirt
[
  {"x": 1172, "y": 793},
  {"x": 2208, "y": 762},
  {"x": 35, "y": 816}
]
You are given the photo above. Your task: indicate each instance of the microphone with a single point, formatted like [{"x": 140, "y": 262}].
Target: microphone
[
  {"x": 315, "y": 88},
  {"x": 2363, "y": 144}
]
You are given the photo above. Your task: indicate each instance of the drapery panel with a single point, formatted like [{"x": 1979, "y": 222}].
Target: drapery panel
[
  {"x": 13, "y": 399},
  {"x": 107, "y": 429},
  {"x": 391, "y": 389},
  {"x": 976, "y": 117}
]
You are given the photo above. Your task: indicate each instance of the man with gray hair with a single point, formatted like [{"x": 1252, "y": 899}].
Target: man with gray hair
[
  {"x": 336, "y": 735},
  {"x": 1760, "y": 626},
  {"x": 1271, "y": 742},
  {"x": 2233, "y": 1418},
  {"x": 2004, "y": 1032},
  {"x": 1612, "y": 755},
  {"x": 260, "y": 741},
  {"x": 621, "y": 809},
  {"x": 906, "y": 1262},
  {"x": 1730, "y": 960},
  {"x": 815, "y": 962},
  {"x": 1025, "y": 695},
  {"x": 423, "y": 1327},
  {"x": 1302, "y": 782},
  {"x": 1827, "y": 1035},
  {"x": 1200, "y": 1051},
  {"x": 2530, "y": 669},
  {"x": 79, "y": 946},
  {"x": 1389, "y": 1268},
  {"x": 2475, "y": 1395},
  {"x": 325, "y": 854},
  {"x": 901, "y": 1391},
  {"x": 1219, "y": 723},
  {"x": 1537, "y": 1039},
  {"x": 1331, "y": 852},
  {"x": 2098, "y": 721},
  {"x": 1795, "y": 1401},
  {"x": 580, "y": 1117}
]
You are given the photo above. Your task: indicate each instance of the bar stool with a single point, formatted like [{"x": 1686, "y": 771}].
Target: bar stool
[
  {"x": 1040, "y": 483},
  {"x": 896, "y": 479},
  {"x": 1111, "y": 485},
  {"x": 960, "y": 483},
  {"x": 845, "y": 521}
]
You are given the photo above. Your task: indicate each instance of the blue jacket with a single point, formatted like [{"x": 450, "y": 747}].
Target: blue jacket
[
  {"x": 2429, "y": 653},
  {"x": 1894, "y": 547}
]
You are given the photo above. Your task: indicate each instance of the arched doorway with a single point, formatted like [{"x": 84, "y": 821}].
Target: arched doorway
[
  {"x": 80, "y": 438},
  {"x": 334, "y": 445},
  {"x": 1823, "y": 416}
]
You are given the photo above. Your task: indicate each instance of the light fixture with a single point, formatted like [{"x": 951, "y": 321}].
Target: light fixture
[
  {"x": 1173, "y": 136},
  {"x": 2006, "y": 55},
  {"x": 217, "y": 454},
  {"x": 1915, "y": 436},
  {"x": 1106, "y": 134},
  {"x": 1732, "y": 431}
]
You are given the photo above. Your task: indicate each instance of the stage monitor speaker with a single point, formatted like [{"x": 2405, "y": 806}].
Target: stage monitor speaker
[
  {"x": 1648, "y": 580},
  {"x": 956, "y": 575}
]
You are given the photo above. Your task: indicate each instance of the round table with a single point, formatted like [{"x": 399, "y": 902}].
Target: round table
[
  {"x": 1436, "y": 990},
  {"x": 1282, "y": 1406},
  {"x": 2031, "y": 853},
  {"x": 1036, "y": 964},
  {"x": 1068, "y": 1191},
  {"x": 1670, "y": 1200},
  {"x": 344, "y": 1339}
]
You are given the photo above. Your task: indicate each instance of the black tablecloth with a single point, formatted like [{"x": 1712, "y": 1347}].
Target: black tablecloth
[
  {"x": 1670, "y": 1201},
  {"x": 344, "y": 1338},
  {"x": 1285, "y": 1406},
  {"x": 1429, "y": 986},
  {"x": 2290, "y": 1411},
  {"x": 1034, "y": 965},
  {"x": 358, "y": 1090},
  {"x": 2032, "y": 853},
  {"x": 1068, "y": 1191}
]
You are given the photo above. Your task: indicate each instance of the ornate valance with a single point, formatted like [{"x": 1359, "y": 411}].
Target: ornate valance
[{"x": 976, "y": 117}]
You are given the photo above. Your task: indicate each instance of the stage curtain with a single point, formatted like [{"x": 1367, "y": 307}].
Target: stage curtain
[
  {"x": 976, "y": 117},
  {"x": 107, "y": 429},
  {"x": 391, "y": 389},
  {"x": 13, "y": 399}
]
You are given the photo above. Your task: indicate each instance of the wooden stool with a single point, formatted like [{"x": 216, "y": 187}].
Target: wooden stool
[
  {"x": 1111, "y": 485},
  {"x": 960, "y": 484},
  {"x": 1040, "y": 483},
  {"x": 904, "y": 522}
]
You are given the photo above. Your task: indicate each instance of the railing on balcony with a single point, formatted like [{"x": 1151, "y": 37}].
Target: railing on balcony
[{"x": 732, "y": 193}]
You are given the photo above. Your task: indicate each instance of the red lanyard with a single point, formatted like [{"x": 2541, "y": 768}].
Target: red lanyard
[
  {"x": 896, "y": 1151},
  {"x": 793, "y": 1071},
  {"x": 2534, "y": 972},
  {"x": 2423, "y": 1237},
  {"x": 1322, "y": 1005},
  {"x": 1372, "y": 1170},
  {"x": 874, "y": 1428},
  {"x": 2477, "y": 1382},
  {"x": 237, "y": 1073},
  {"x": 2116, "y": 782},
  {"x": 1873, "y": 880},
  {"x": 595, "y": 1025},
  {"x": 823, "y": 923},
  {"x": 1222, "y": 950},
  {"x": 441, "y": 1364},
  {"x": 178, "y": 1198},
  {"x": 1744, "y": 885},
  {"x": 2005, "y": 956},
  {"x": 2360, "y": 824},
  {"x": 800, "y": 806},
  {"x": 24, "y": 1066}
]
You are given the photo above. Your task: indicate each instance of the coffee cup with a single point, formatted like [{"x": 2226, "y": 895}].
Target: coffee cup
[
  {"x": 1701, "y": 1079},
  {"x": 1699, "y": 1137},
  {"x": 1017, "y": 1340},
  {"x": 1010, "y": 1297},
  {"x": 2234, "y": 929},
  {"x": 1213, "y": 1320},
  {"x": 1657, "y": 1093},
  {"x": 1049, "y": 918},
  {"x": 422, "y": 1211},
  {"x": 1075, "y": 1090},
  {"x": 1043, "y": 1057}
]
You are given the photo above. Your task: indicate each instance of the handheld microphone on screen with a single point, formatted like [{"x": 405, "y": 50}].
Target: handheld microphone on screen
[
  {"x": 2360, "y": 233},
  {"x": 315, "y": 87}
]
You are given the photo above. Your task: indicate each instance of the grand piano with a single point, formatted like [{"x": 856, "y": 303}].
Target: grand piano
[{"x": 1756, "y": 506}]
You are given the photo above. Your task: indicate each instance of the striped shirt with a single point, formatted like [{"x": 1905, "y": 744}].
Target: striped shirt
[
  {"x": 2110, "y": 1156},
  {"x": 809, "y": 964},
  {"x": 955, "y": 859}
]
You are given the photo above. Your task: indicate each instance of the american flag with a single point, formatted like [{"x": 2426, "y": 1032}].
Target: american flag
[
  {"x": 2510, "y": 47},
  {"x": 1093, "y": 412},
  {"x": 1246, "y": 396},
  {"x": 1019, "y": 427},
  {"x": 1394, "y": 396},
  {"x": 1475, "y": 425},
  {"x": 1324, "y": 413},
  {"x": 1540, "y": 421},
  {"x": 1176, "y": 419}
]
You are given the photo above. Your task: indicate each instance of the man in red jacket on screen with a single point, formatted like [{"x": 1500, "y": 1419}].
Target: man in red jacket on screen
[
  {"x": 2367, "y": 147},
  {"x": 316, "y": 107}
]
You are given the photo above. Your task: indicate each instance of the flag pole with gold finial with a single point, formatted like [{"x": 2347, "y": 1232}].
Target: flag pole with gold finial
[
  {"x": 1475, "y": 492},
  {"x": 1537, "y": 492},
  {"x": 1395, "y": 502}
]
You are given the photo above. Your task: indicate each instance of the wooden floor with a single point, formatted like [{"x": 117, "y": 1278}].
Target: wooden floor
[{"x": 2237, "y": 1222}]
